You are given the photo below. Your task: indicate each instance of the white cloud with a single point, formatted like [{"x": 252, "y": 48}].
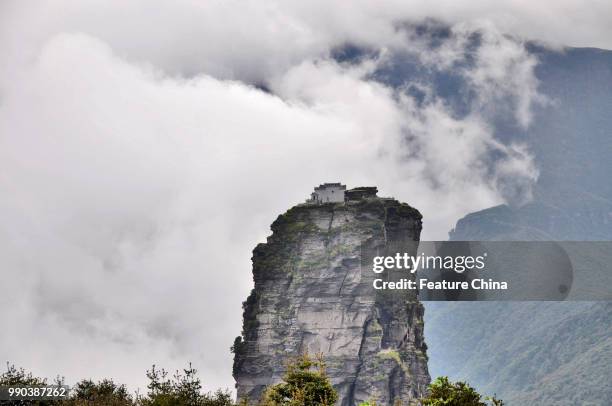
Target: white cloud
[
  {"x": 250, "y": 40},
  {"x": 133, "y": 200},
  {"x": 498, "y": 69}
]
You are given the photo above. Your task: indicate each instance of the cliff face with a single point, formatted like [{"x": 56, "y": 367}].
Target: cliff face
[{"x": 313, "y": 294}]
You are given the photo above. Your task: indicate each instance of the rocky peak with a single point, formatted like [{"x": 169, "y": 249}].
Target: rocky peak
[{"x": 312, "y": 294}]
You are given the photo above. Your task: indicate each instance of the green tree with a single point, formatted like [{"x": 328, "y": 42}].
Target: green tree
[
  {"x": 305, "y": 384},
  {"x": 183, "y": 389},
  {"x": 443, "y": 392},
  {"x": 19, "y": 377},
  {"x": 105, "y": 392}
]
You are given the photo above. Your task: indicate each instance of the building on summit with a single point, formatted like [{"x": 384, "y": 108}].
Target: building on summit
[
  {"x": 359, "y": 193},
  {"x": 327, "y": 193},
  {"x": 337, "y": 193}
]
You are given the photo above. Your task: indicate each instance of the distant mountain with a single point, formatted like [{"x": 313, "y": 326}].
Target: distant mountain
[
  {"x": 529, "y": 353},
  {"x": 539, "y": 353},
  {"x": 571, "y": 138}
]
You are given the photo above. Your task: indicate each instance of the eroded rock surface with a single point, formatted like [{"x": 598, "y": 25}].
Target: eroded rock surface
[{"x": 313, "y": 292}]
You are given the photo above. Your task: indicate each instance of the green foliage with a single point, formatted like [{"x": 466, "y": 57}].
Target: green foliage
[
  {"x": 249, "y": 314},
  {"x": 238, "y": 349},
  {"x": 239, "y": 346},
  {"x": 18, "y": 376},
  {"x": 442, "y": 392},
  {"x": 105, "y": 392},
  {"x": 181, "y": 389},
  {"x": 305, "y": 384},
  {"x": 494, "y": 401}
]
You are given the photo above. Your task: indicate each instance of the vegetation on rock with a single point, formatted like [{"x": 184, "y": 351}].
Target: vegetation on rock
[{"x": 304, "y": 384}]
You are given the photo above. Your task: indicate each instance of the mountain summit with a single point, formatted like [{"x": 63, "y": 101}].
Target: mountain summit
[{"x": 313, "y": 295}]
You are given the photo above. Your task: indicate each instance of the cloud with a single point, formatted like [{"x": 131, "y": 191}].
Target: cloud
[
  {"x": 133, "y": 201},
  {"x": 498, "y": 68},
  {"x": 250, "y": 40},
  {"x": 139, "y": 164}
]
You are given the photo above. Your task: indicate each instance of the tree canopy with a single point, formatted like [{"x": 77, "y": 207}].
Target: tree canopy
[
  {"x": 443, "y": 392},
  {"x": 305, "y": 384}
]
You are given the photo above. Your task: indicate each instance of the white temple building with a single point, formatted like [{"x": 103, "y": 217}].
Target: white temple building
[{"x": 327, "y": 193}]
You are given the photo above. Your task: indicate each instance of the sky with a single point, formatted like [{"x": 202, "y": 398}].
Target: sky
[{"x": 146, "y": 147}]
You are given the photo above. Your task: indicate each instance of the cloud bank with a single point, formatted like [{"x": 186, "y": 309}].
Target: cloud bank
[{"x": 140, "y": 163}]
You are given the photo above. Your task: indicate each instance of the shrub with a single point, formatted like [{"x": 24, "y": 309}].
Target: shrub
[
  {"x": 182, "y": 389},
  {"x": 305, "y": 384},
  {"x": 442, "y": 392},
  {"x": 105, "y": 392}
]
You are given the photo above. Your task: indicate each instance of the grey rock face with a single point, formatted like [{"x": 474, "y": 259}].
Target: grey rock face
[{"x": 313, "y": 295}]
